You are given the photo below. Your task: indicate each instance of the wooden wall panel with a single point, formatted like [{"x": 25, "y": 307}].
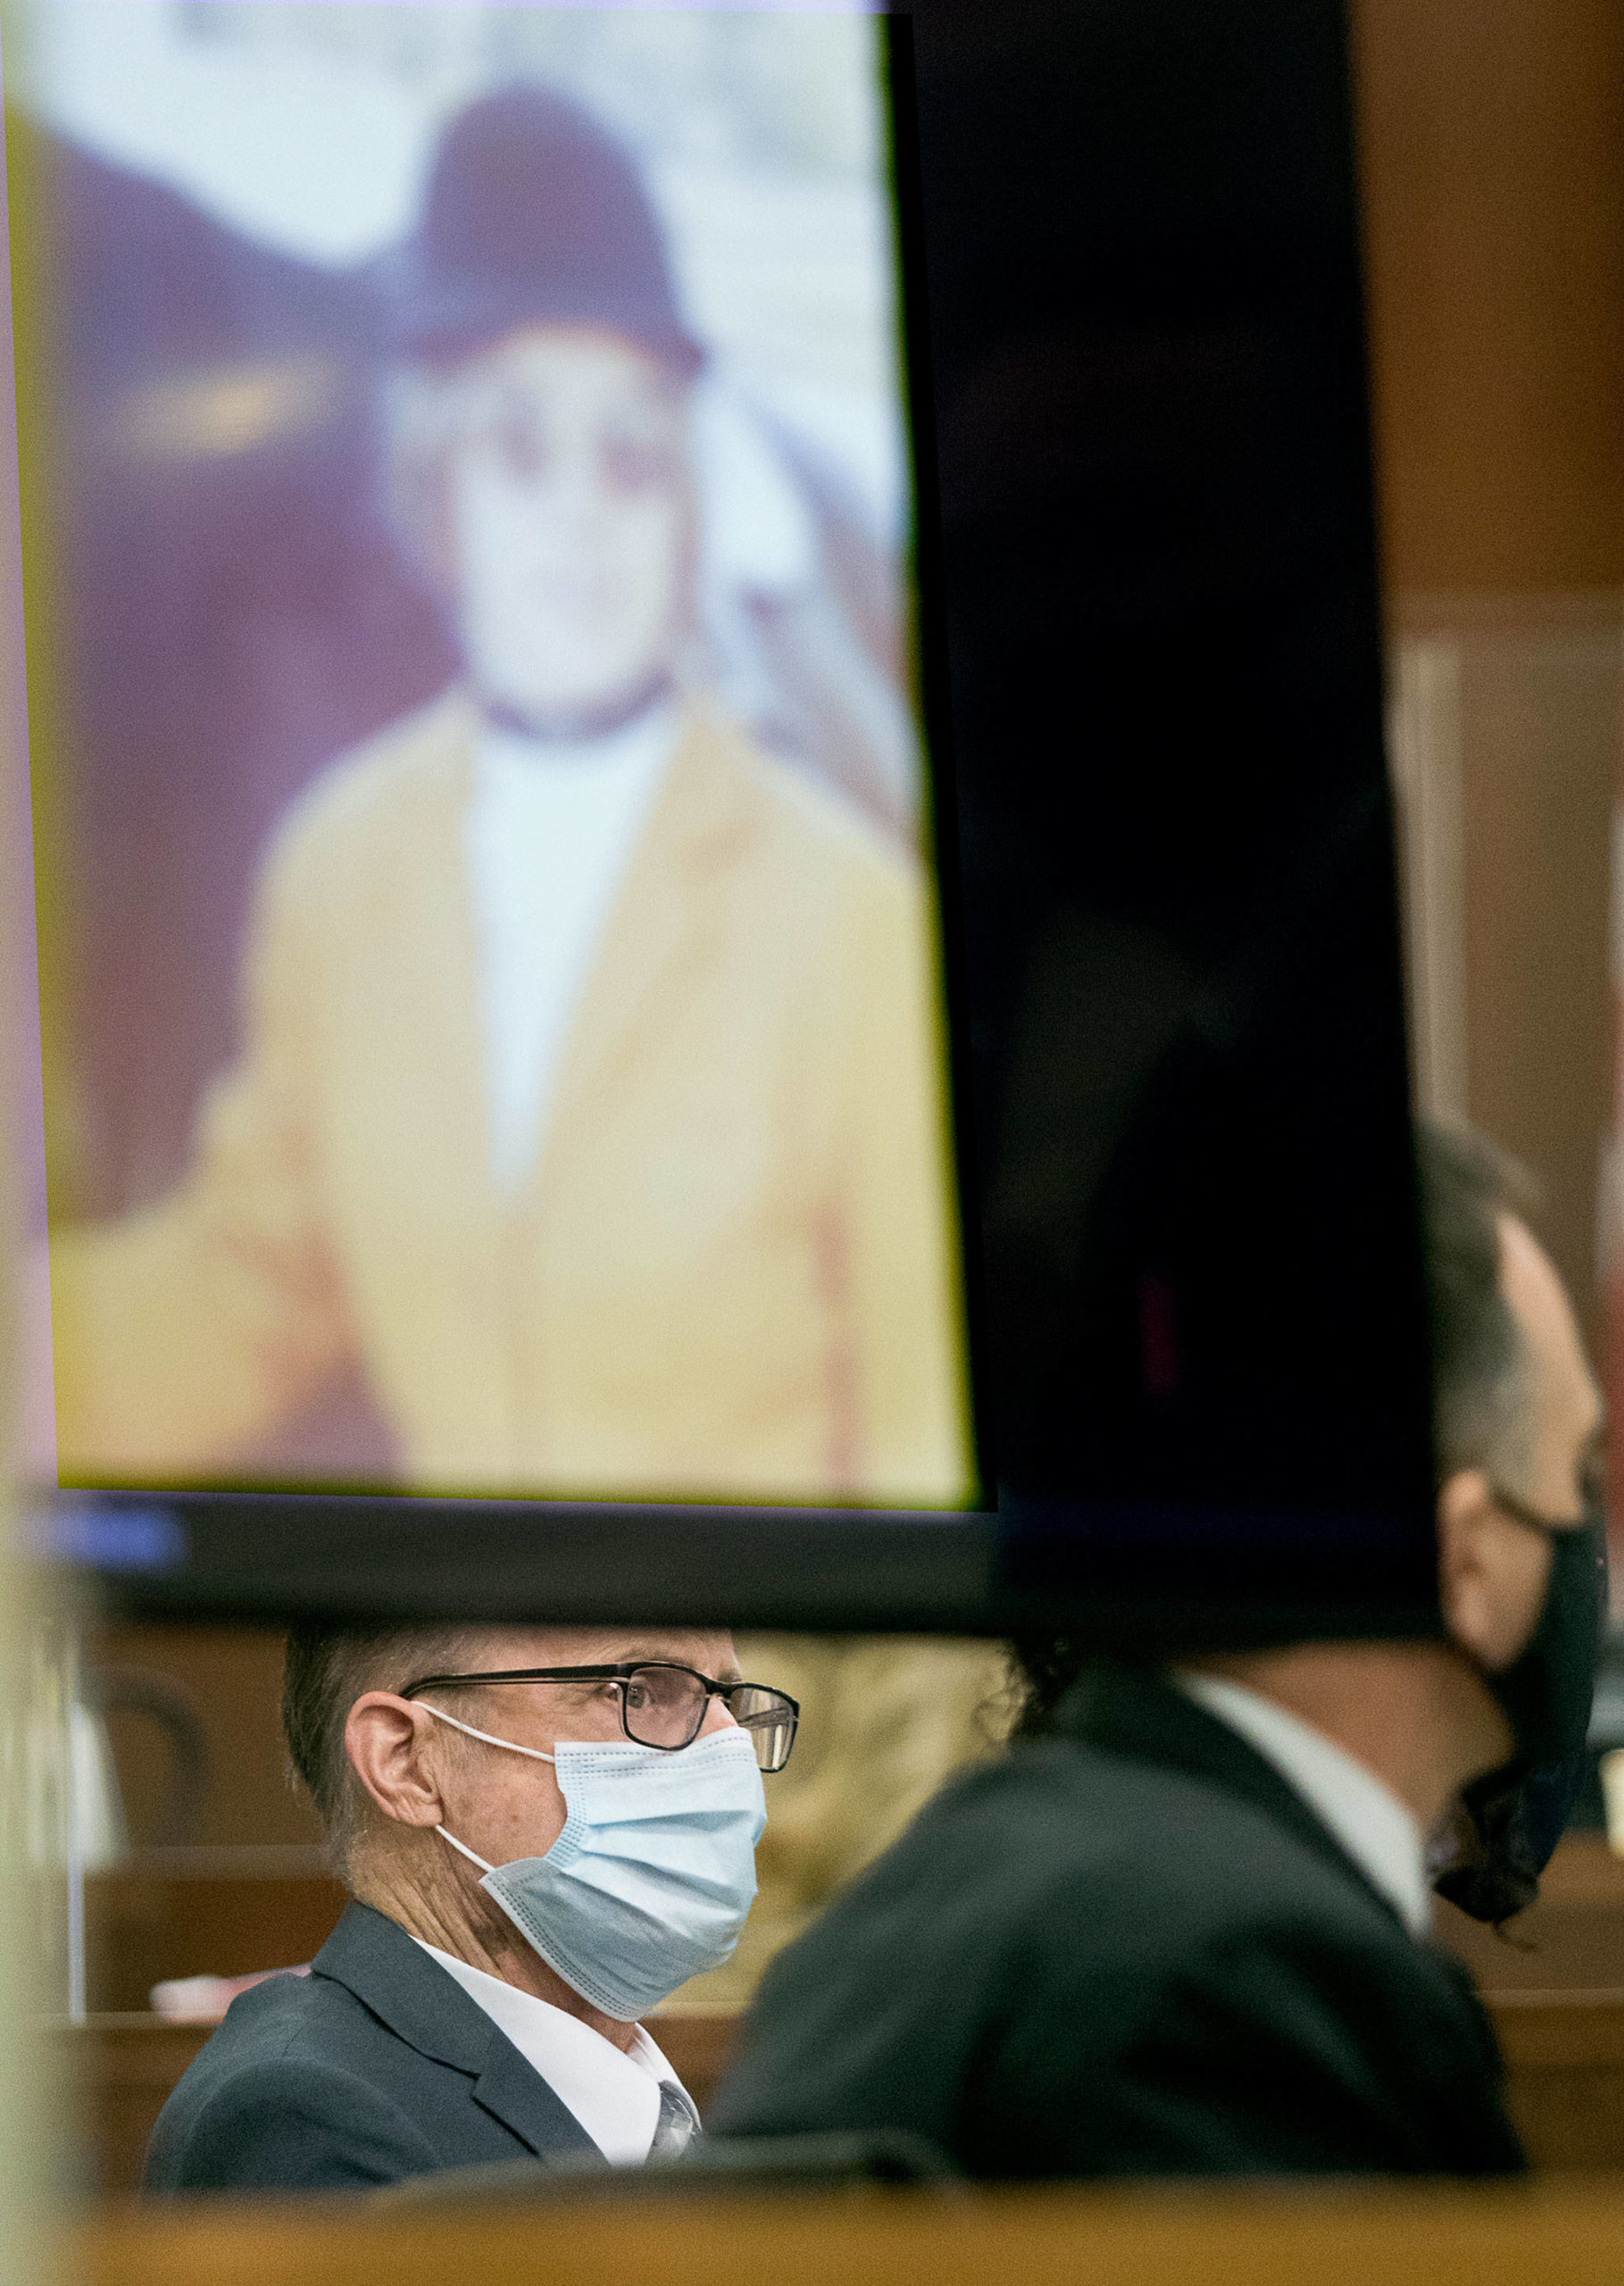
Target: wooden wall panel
[
  {"x": 233, "y": 1678},
  {"x": 1492, "y": 158},
  {"x": 1540, "y": 768},
  {"x": 1492, "y": 146},
  {"x": 1507, "y": 738}
]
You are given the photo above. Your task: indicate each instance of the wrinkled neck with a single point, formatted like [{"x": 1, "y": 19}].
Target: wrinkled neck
[{"x": 427, "y": 1890}]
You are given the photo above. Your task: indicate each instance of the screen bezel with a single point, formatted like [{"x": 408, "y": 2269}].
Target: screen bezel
[{"x": 276, "y": 1558}]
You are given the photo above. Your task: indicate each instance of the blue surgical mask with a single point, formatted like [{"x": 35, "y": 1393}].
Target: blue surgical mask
[{"x": 654, "y": 1874}]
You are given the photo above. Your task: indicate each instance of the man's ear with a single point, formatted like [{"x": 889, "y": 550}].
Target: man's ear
[
  {"x": 1468, "y": 1529},
  {"x": 390, "y": 1743}
]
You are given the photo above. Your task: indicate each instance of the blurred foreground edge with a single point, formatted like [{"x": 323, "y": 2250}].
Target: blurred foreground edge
[
  {"x": 1184, "y": 2236},
  {"x": 759, "y": 2164}
]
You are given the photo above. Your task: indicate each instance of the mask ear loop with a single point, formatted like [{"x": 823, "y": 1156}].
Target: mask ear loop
[
  {"x": 486, "y": 1738},
  {"x": 463, "y": 1850}
]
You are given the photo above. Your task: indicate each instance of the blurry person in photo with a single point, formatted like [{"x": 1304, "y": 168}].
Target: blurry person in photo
[{"x": 589, "y": 1095}]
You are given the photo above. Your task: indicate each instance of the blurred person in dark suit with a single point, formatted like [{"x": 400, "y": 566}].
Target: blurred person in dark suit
[
  {"x": 545, "y": 1832},
  {"x": 1186, "y": 1932}
]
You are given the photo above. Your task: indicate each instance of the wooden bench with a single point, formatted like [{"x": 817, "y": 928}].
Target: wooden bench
[{"x": 1565, "y": 2055}]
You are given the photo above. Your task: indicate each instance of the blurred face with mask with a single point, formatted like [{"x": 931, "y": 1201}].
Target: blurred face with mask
[{"x": 1523, "y": 1564}]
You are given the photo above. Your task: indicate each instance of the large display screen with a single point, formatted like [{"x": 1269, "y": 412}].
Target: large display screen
[
  {"x": 494, "y": 1041},
  {"x": 715, "y": 880}
]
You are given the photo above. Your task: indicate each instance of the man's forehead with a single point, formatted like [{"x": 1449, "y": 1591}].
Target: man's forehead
[{"x": 597, "y": 1646}]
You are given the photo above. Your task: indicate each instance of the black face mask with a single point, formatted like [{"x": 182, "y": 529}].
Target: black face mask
[
  {"x": 1546, "y": 1694},
  {"x": 1515, "y": 1815}
]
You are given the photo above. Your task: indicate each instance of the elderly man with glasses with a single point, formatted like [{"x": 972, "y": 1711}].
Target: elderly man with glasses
[{"x": 545, "y": 1832}]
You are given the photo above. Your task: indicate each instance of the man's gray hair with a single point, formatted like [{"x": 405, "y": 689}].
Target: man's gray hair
[
  {"x": 327, "y": 1670},
  {"x": 1480, "y": 1368}
]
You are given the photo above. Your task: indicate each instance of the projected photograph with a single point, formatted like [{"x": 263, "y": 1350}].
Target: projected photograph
[{"x": 493, "y": 1026}]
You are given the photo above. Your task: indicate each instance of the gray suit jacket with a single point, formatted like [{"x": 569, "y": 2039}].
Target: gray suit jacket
[{"x": 375, "y": 2066}]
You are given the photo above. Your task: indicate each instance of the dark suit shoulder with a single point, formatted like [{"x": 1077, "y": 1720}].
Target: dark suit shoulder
[
  {"x": 275, "y": 2100},
  {"x": 285, "y": 2016},
  {"x": 1062, "y": 1851},
  {"x": 1299, "y": 2031},
  {"x": 1079, "y": 1963},
  {"x": 1153, "y": 1850},
  {"x": 374, "y": 2066}
]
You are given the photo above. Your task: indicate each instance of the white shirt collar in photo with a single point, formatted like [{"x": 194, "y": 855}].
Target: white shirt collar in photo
[
  {"x": 1379, "y": 1833},
  {"x": 613, "y": 2092},
  {"x": 549, "y": 832}
]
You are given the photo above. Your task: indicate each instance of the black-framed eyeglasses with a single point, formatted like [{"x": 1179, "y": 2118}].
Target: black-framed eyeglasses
[{"x": 664, "y": 1705}]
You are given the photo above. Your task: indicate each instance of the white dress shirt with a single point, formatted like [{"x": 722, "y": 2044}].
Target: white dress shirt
[
  {"x": 613, "y": 2092},
  {"x": 548, "y": 838},
  {"x": 1379, "y": 1833}
]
